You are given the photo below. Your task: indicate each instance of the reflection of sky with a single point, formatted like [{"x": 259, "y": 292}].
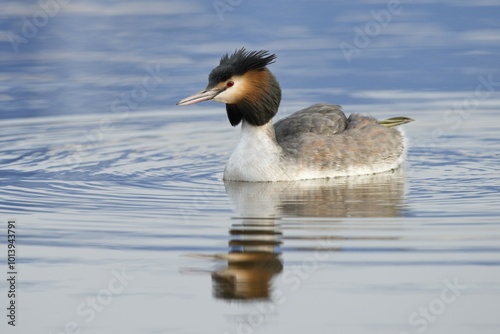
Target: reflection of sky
[
  {"x": 149, "y": 190},
  {"x": 89, "y": 53}
]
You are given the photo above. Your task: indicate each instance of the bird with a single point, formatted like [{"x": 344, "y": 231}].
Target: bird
[{"x": 318, "y": 142}]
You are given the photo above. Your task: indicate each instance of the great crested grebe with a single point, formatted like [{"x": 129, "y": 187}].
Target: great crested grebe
[{"x": 315, "y": 142}]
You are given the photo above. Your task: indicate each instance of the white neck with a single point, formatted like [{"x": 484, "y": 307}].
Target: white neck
[{"x": 257, "y": 157}]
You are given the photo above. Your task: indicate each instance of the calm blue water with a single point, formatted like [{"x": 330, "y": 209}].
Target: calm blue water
[{"x": 125, "y": 226}]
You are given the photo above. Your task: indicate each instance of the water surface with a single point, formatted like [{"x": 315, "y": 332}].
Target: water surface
[{"x": 125, "y": 225}]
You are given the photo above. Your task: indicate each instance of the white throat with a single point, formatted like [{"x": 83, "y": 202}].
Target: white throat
[{"x": 257, "y": 156}]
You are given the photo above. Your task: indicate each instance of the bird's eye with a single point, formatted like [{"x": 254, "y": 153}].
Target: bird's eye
[{"x": 230, "y": 84}]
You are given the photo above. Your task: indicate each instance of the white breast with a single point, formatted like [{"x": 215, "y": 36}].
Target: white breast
[{"x": 256, "y": 157}]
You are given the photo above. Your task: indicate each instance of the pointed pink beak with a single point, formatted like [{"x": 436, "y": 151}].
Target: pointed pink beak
[{"x": 204, "y": 95}]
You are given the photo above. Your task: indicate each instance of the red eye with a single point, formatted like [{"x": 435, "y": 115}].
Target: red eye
[{"x": 230, "y": 84}]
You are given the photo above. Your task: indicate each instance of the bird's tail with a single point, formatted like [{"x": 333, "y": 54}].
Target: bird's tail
[{"x": 395, "y": 121}]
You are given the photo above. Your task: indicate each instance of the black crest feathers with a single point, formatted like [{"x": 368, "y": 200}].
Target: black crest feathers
[
  {"x": 243, "y": 60},
  {"x": 240, "y": 62}
]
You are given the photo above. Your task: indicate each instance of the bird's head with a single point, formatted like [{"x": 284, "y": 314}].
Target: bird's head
[{"x": 243, "y": 82}]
